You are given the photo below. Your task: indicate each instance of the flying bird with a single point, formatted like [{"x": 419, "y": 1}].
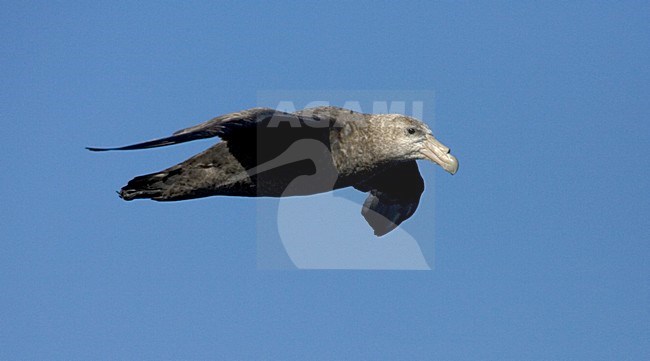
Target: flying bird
[{"x": 268, "y": 153}]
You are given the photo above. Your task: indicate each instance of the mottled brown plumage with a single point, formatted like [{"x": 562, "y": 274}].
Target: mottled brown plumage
[{"x": 264, "y": 152}]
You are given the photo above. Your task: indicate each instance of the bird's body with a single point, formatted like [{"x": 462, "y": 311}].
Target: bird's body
[{"x": 267, "y": 153}]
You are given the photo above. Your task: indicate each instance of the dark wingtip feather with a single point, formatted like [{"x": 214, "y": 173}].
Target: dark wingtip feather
[{"x": 93, "y": 149}]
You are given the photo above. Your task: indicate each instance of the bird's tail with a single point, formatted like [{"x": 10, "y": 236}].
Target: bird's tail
[{"x": 146, "y": 186}]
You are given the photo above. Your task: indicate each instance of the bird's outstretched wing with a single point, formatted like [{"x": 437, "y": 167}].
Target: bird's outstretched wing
[
  {"x": 223, "y": 126},
  {"x": 394, "y": 197}
]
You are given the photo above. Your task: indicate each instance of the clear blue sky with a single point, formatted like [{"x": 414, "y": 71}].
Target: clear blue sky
[{"x": 542, "y": 239}]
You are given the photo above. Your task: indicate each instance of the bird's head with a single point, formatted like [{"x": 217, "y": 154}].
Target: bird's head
[{"x": 412, "y": 139}]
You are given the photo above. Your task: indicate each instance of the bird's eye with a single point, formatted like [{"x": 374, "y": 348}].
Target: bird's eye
[{"x": 411, "y": 130}]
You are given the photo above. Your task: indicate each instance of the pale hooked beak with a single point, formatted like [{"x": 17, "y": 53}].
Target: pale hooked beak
[{"x": 439, "y": 154}]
